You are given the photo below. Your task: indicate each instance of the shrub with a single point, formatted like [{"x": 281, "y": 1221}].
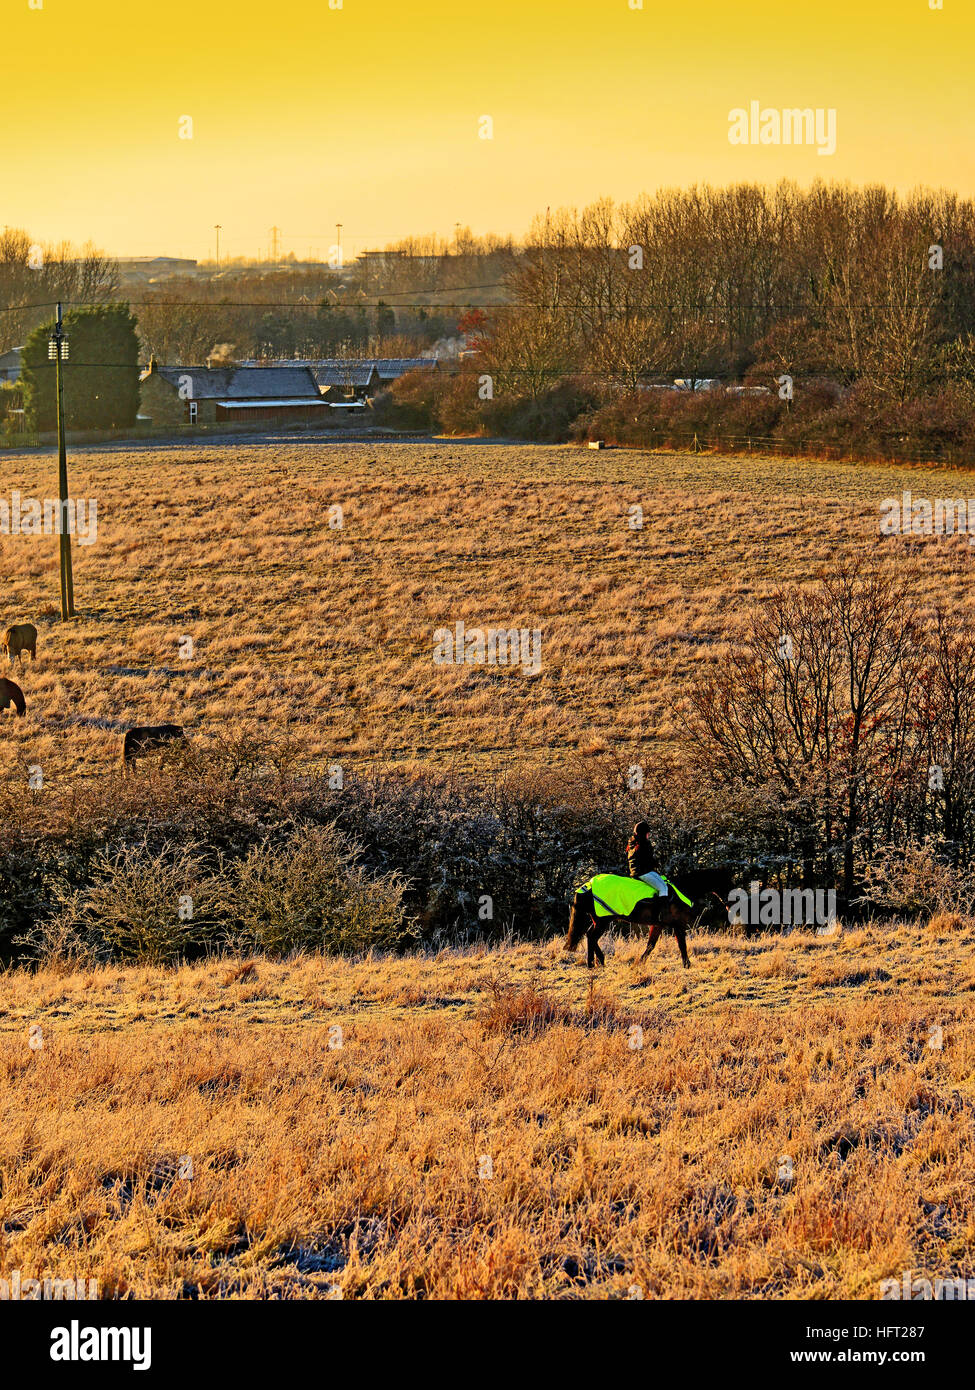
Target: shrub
[
  {"x": 530, "y": 1011},
  {"x": 944, "y": 923},
  {"x": 146, "y": 904},
  {"x": 914, "y": 882},
  {"x": 549, "y": 416},
  {"x": 413, "y": 402},
  {"x": 311, "y": 894}
]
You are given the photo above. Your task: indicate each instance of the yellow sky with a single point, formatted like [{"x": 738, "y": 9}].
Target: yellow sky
[{"x": 305, "y": 116}]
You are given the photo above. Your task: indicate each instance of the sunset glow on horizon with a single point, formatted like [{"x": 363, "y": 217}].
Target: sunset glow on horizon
[{"x": 370, "y": 115}]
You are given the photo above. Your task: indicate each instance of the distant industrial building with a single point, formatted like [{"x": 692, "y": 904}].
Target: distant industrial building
[
  {"x": 391, "y": 368},
  {"x": 152, "y": 267}
]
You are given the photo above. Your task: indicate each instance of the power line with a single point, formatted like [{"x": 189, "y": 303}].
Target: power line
[
  {"x": 258, "y": 303},
  {"x": 568, "y": 307}
]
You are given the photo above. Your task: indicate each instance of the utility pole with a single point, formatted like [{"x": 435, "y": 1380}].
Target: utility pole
[
  {"x": 57, "y": 348},
  {"x": 217, "y": 230},
  {"x": 338, "y": 240},
  {"x": 274, "y": 244}
]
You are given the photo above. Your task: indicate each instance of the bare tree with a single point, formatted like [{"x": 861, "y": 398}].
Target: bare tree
[
  {"x": 818, "y": 703},
  {"x": 34, "y": 277}
]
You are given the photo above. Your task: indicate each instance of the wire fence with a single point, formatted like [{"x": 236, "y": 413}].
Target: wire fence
[
  {"x": 889, "y": 449},
  {"x": 885, "y": 450}
]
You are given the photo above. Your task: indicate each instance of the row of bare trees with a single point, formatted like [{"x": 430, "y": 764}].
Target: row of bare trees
[
  {"x": 33, "y": 277},
  {"x": 853, "y": 705},
  {"x": 850, "y": 283}
]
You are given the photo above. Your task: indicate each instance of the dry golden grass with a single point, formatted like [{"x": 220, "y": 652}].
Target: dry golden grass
[
  {"x": 325, "y": 636},
  {"x": 489, "y": 1127}
]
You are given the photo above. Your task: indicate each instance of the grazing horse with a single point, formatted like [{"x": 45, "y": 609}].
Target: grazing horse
[
  {"x": 136, "y": 743},
  {"x": 20, "y": 638},
  {"x": 630, "y": 901},
  {"x": 11, "y": 694}
]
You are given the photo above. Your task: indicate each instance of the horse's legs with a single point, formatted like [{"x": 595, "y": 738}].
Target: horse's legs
[
  {"x": 652, "y": 937},
  {"x": 680, "y": 936},
  {"x": 593, "y": 953}
]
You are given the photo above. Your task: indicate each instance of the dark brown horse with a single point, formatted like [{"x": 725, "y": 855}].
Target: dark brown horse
[
  {"x": 136, "y": 743},
  {"x": 11, "y": 694},
  {"x": 657, "y": 914}
]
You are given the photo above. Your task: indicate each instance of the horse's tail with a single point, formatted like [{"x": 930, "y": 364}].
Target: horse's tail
[
  {"x": 17, "y": 695},
  {"x": 578, "y": 925}
]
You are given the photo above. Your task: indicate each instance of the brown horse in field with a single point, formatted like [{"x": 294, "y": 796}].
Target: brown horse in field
[
  {"x": 20, "y": 638},
  {"x": 11, "y": 694},
  {"x": 136, "y": 743},
  {"x": 657, "y": 914}
]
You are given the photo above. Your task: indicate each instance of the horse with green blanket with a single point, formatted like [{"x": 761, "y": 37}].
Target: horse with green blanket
[{"x": 652, "y": 901}]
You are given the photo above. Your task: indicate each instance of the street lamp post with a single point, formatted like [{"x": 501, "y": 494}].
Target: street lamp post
[{"x": 57, "y": 348}]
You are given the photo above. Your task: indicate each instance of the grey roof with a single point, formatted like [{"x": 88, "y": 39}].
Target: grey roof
[
  {"x": 343, "y": 373},
  {"x": 244, "y": 383},
  {"x": 288, "y": 380},
  {"x": 391, "y": 367},
  {"x": 357, "y": 371}
]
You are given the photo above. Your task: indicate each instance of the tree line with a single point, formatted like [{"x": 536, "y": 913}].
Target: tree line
[{"x": 747, "y": 282}]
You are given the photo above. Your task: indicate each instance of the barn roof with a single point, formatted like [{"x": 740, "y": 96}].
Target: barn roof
[
  {"x": 358, "y": 371},
  {"x": 292, "y": 380},
  {"x": 244, "y": 383},
  {"x": 337, "y": 373},
  {"x": 389, "y": 367}
]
